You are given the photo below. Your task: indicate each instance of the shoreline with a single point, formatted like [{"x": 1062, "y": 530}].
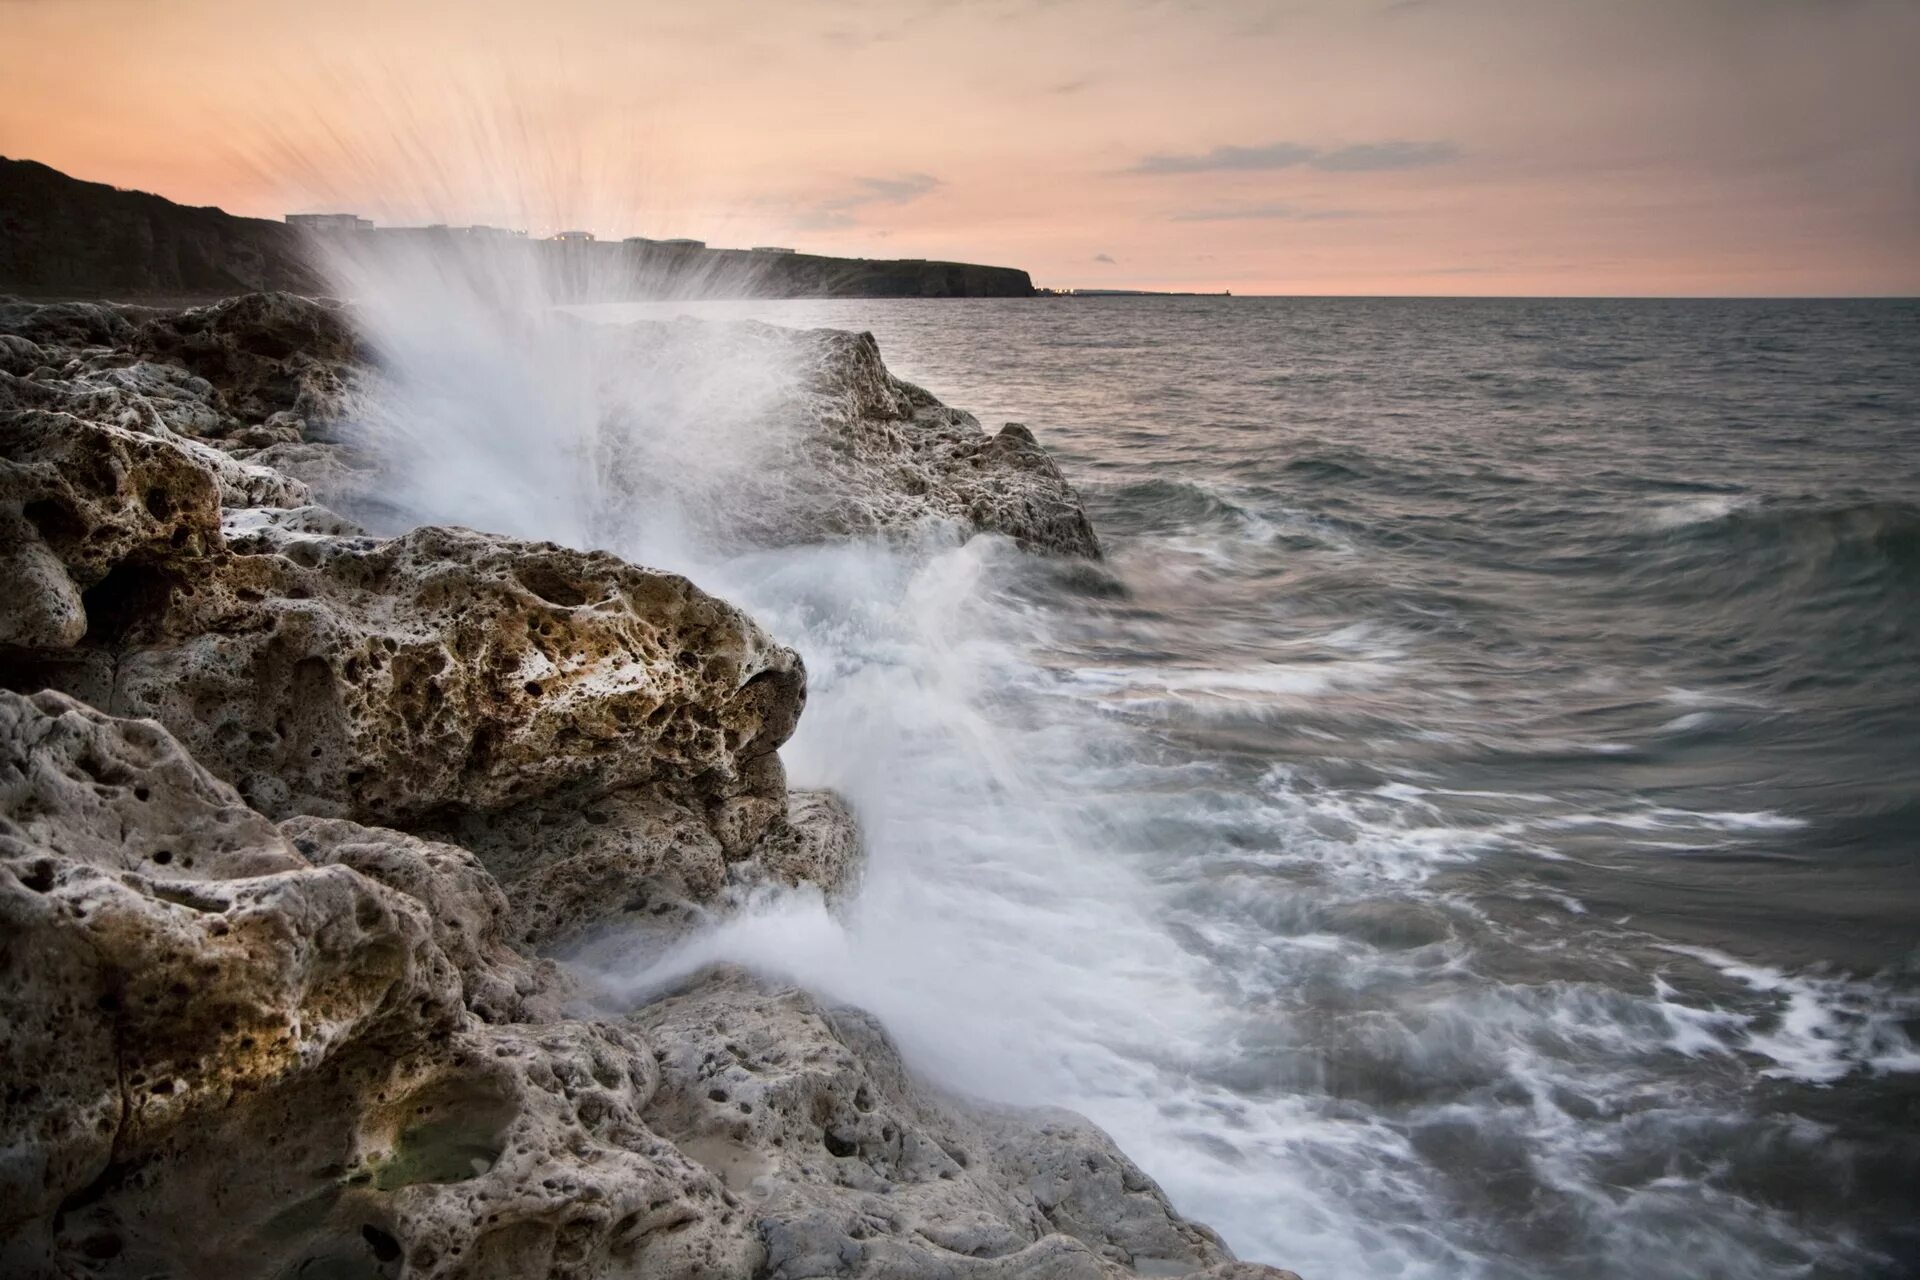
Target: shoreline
[{"x": 596, "y": 739}]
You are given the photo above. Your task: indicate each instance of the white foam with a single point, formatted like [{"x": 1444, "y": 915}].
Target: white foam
[
  {"x": 1817, "y": 1028},
  {"x": 1703, "y": 509}
]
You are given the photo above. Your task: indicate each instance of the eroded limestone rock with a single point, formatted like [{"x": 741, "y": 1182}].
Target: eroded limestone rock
[
  {"x": 828, "y": 443},
  {"x": 262, "y": 353},
  {"x": 854, "y": 1169},
  {"x": 642, "y": 857},
  {"x": 224, "y": 1058},
  {"x": 445, "y": 669},
  {"x": 81, "y": 499}
]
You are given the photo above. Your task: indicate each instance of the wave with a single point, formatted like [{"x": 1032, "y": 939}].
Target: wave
[
  {"x": 1152, "y": 506},
  {"x": 1887, "y": 529}
]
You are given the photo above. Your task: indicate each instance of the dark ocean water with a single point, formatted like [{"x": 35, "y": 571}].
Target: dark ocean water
[{"x": 1511, "y": 710}]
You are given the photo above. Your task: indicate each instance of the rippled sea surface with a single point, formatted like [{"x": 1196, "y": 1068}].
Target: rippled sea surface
[{"x": 1500, "y": 722}]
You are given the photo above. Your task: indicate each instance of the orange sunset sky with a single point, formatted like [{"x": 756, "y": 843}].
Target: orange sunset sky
[{"x": 1280, "y": 146}]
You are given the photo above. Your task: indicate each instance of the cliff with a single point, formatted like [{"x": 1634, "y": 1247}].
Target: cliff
[
  {"x": 290, "y": 815},
  {"x": 64, "y": 238}
]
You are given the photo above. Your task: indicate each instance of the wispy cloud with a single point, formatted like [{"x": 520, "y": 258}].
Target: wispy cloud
[
  {"x": 839, "y": 211},
  {"x": 1386, "y": 155},
  {"x": 1356, "y": 158},
  {"x": 1275, "y": 155},
  {"x": 1103, "y": 257},
  {"x": 1262, "y": 213}
]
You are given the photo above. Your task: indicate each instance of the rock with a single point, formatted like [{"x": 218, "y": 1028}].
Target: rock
[
  {"x": 165, "y": 952},
  {"x": 68, "y": 324},
  {"x": 184, "y": 981},
  {"x": 816, "y": 842},
  {"x": 893, "y": 456},
  {"x": 109, "y": 397},
  {"x": 639, "y": 856},
  {"x": 182, "y": 986},
  {"x": 388, "y": 680},
  {"x": 852, "y": 1168},
  {"x": 831, "y": 444},
  {"x": 468, "y": 911},
  {"x": 243, "y": 1031},
  {"x": 636, "y": 854},
  {"x": 264, "y": 354},
  {"x": 82, "y": 501},
  {"x": 843, "y": 448}
]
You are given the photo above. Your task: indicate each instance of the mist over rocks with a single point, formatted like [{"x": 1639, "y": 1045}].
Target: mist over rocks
[
  {"x": 292, "y": 817},
  {"x": 826, "y": 442}
]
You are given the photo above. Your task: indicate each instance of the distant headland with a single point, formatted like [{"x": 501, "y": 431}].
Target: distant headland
[
  {"x": 61, "y": 237},
  {"x": 1130, "y": 293}
]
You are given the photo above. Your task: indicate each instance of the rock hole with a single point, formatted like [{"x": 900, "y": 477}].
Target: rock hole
[
  {"x": 385, "y": 1247},
  {"x": 102, "y": 1246},
  {"x": 57, "y": 522},
  {"x": 837, "y": 1145},
  {"x": 547, "y": 583},
  {"x": 127, "y": 596}
]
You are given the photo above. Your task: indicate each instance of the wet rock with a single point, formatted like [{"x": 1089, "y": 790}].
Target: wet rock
[
  {"x": 642, "y": 857},
  {"x": 388, "y": 680},
  {"x": 82, "y": 501},
  {"x": 262, "y": 353},
  {"x": 893, "y": 456},
  {"x": 825, "y": 442},
  {"x": 165, "y": 952},
  {"x": 853, "y": 1168},
  {"x": 189, "y": 990}
]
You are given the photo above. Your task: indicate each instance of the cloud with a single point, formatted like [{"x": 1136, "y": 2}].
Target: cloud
[
  {"x": 838, "y": 212},
  {"x": 1275, "y": 155},
  {"x": 1262, "y": 213},
  {"x": 1357, "y": 158},
  {"x": 1386, "y": 155},
  {"x": 893, "y": 190},
  {"x": 1101, "y": 257}
]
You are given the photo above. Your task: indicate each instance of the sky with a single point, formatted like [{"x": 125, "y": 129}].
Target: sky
[{"x": 1554, "y": 147}]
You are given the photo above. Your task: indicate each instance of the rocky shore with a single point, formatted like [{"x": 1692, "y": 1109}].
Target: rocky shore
[{"x": 292, "y": 815}]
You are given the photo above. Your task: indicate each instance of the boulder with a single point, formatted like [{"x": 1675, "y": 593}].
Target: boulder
[
  {"x": 448, "y": 670},
  {"x": 639, "y": 856},
  {"x": 822, "y": 441},
  {"x": 185, "y": 991},
  {"x": 890, "y": 455},
  {"x": 82, "y": 500},
  {"x": 262, "y": 353},
  {"x": 853, "y": 1168}
]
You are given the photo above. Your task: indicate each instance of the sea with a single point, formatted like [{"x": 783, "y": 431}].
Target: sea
[{"x": 1468, "y": 824}]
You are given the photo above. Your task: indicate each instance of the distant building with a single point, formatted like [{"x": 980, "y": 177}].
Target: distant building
[
  {"x": 573, "y": 236},
  {"x": 478, "y": 230},
  {"x": 682, "y": 242},
  {"x": 769, "y": 248},
  {"x": 329, "y": 222},
  {"x": 639, "y": 240}
]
